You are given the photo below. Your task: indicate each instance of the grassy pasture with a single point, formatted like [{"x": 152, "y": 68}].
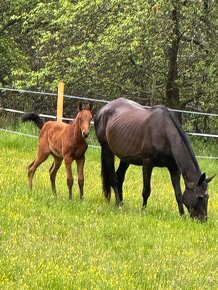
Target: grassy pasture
[{"x": 51, "y": 243}]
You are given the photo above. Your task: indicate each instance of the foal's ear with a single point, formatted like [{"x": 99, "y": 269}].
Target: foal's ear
[
  {"x": 91, "y": 107},
  {"x": 80, "y": 106}
]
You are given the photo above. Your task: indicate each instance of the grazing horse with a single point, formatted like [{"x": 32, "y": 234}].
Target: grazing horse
[
  {"x": 151, "y": 138},
  {"x": 62, "y": 141}
]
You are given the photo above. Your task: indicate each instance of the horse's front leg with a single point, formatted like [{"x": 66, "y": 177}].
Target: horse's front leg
[
  {"x": 147, "y": 170},
  {"x": 68, "y": 161},
  {"x": 80, "y": 172},
  {"x": 175, "y": 178}
]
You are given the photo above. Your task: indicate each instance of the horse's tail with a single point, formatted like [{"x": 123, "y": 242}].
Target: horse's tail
[
  {"x": 35, "y": 118},
  {"x": 105, "y": 174}
]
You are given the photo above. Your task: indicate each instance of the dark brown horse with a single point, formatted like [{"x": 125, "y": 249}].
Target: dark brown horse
[
  {"x": 62, "y": 141},
  {"x": 151, "y": 138}
]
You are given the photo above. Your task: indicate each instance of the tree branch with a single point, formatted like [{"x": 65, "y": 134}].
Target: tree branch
[
  {"x": 191, "y": 39},
  {"x": 7, "y": 25}
]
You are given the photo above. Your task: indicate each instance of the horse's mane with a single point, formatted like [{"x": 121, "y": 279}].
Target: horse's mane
[{"x": 184, "y": 138}]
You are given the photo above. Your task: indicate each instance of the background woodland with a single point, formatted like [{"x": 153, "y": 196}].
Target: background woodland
[{"x": 153, "y": 52}]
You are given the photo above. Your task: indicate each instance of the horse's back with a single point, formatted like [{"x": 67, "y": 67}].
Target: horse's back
[
  {"x": 120, "y": 125},
  {"x": 116, "y": 106},
  {"x": 133, "y": 132},
  {"x": 53, "y": 127},
  {"x": 116, "y": 112}
]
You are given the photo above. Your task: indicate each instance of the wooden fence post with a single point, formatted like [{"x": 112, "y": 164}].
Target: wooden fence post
[{"x": 60, "y": 101}]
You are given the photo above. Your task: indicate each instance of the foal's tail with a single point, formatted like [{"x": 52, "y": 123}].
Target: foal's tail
[
  {"x": 105, "y": 174},
  {"x": 35, "y": 118}
]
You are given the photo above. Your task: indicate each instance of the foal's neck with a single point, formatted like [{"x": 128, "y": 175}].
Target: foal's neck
[{"x": 75, "y": 126}]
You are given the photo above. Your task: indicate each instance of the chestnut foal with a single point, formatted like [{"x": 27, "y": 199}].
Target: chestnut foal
[{"x": 64, "y": 142}]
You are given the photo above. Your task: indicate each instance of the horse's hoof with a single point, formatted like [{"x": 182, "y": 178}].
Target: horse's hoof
[{"x": 183, "y": 216}]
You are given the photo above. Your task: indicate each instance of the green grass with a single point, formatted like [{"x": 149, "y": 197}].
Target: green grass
[{"x": 51, "y": 243}]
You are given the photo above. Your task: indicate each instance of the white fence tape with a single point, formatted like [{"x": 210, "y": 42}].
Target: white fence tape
[
  {"x": 53, "y": 95},
  {"x": 97, "y": 100},
  {"x": 93, "y": 146},
  {"x": 203, "y": 135},
  {"x": 18, "y": 133},
  {"x": 54, "y": 117},
  {"x": 41, "y": 115}
]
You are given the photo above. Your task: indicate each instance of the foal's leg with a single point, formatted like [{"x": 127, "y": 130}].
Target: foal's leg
[
  {"x": 68, "y": 161},
  {"x": 53, "y": 171},
  {"x": 175, "y": 178},
  {"x": 147, "y": 170},
  {"x": 80, "y": 172},
  {"x": 42, "y": 156},
  {"x": 121, "y": 171}
]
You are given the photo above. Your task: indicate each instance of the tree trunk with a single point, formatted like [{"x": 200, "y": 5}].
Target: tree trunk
[{"x": 172, "y": 89}]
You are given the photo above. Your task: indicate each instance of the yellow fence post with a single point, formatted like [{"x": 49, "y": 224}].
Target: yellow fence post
[{"x": 60, "y": 101}]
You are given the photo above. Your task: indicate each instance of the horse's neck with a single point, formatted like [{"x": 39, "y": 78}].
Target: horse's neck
[
  {"x": 75, "y": 129},
  {"x": 185, "y": 159}
]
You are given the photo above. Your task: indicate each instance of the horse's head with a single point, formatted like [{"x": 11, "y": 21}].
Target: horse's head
[
  {"x": 85, "y": 117},
  {"x": 196, "y": 198}
]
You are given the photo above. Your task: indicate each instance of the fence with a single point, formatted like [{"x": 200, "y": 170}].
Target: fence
[{"x": 93, "y": 100}]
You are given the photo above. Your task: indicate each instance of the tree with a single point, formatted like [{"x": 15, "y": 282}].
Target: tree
[{"x": 152, "y": 52}]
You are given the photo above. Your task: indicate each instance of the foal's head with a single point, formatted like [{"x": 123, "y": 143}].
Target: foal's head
[{"x": 85, "y": 116}]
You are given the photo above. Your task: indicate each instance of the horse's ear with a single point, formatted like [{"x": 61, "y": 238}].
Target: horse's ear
[
  {"x": 202, "y": 178},
  {"x": 91, "y": 107},
  {"x": 208, "y": 179},
  {"x": 80, "y": 106}
]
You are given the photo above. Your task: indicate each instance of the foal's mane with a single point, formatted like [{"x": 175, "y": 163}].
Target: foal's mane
[{"x": 184, "y": 138}]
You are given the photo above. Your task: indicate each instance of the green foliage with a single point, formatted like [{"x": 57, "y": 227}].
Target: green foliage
[
  {"x": 51, "y": 243},
  {"x": 110, "y": 48}
]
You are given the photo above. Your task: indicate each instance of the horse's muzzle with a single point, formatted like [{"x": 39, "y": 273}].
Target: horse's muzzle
[{"x": 85, "y": 134}]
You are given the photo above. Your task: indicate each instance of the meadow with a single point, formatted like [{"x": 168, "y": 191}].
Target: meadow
[{"x": 48, "y": 242}]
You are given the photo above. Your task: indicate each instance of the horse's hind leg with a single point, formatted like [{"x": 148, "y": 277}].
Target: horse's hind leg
[
  {"x": 105, "y": 173},
  {"x": 147, "y": 170},
  {"x": 53, "y": 171},
  {"x": 33, "y": 166},
  {"x": 30, "y": 174},
  {"x": 175, "y": 178},
  {"x": 109, "y": 176},
  {"x": 80, "y": 172},
  {"x": 121, "y": 171}
]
